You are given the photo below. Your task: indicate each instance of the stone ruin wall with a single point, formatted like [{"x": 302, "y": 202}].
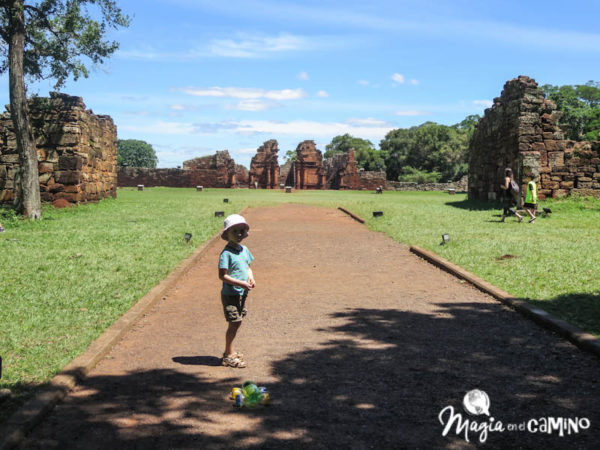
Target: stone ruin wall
[
  {"x": 77, "y": 151},
  {"x": 309, "y": 172},
  {"x": 264, "y": 168},
  {"x": 342, "y": 171},
  {"x": 218, "y": 171},
  {"x": 520, "y": 131}
]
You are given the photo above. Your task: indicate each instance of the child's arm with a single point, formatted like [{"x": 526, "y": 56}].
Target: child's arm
[
  {"x": 251, "y": 277},
  {"x": 224, "y": 276}
]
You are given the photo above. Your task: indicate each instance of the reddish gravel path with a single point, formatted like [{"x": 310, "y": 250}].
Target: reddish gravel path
[{"x": 360, "y": 343}]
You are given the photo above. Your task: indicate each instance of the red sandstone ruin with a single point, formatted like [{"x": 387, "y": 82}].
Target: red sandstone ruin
[
  {"x": 264, "y": 168},
  {"x": 309, "y": 172}
]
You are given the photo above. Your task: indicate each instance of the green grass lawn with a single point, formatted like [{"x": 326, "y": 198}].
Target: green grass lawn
[{"x": 66, "y": 278}]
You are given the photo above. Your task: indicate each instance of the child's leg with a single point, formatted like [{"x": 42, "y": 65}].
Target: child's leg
[{"x": 232, "y": 330}]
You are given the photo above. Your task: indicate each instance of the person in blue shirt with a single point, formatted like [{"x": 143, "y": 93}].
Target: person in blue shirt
[{"x": 238, "y": 279}]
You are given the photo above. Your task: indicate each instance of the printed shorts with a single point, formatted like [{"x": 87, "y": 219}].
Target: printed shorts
[{"x": 234, "y": 307}]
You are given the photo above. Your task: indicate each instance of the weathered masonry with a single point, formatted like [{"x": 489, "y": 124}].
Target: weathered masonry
[
  {"x": 520, "y": 131},
  {"x": 218, "y": 170},
  {"x": 77, "y": 151}
]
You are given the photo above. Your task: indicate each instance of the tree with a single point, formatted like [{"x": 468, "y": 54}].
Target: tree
[
  {"x": 366, "y": 157},
  {"x": 45, "y": 39},
  {"x": 135, "y": 153},
  {"x": 430, "y": 148},
  {"x": 290, "y": 155},
  {"x": 580, "y": 106}
]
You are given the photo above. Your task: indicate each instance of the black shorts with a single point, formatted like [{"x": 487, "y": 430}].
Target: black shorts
[
  {"x": 530, "y": 205},
  {"x": 234, "y": 306}
]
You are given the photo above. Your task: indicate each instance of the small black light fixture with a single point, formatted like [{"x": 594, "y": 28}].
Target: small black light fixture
[
  {"x": 377, "y": 213},
  {"x": 140, "y": 187},
  {"x": 199, "y": 188},
  {"x": 187, "y": 237},
  {"x": 225, "y": 200},
  {"x": 219, "y": 213},
  {"x": 445, "y": 238}
]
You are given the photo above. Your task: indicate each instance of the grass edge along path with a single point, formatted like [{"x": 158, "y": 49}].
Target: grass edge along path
[
  {"x": 577, "y": 336},
  {"x": 16, "y": 427}
]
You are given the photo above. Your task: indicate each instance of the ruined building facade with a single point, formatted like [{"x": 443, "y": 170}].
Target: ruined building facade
[
  {"x": 77, "y": 151},
  {"x": 520, "y": 131},
  {"x": 218, "y": 170},
  {"x": 264, "y": 168},
  {"x": 309, "y": 172}
]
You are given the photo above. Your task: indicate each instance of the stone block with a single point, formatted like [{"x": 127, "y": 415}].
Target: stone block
[
  {"x": 69, "y": 162},
  {"x": 45, "y": 167},
  {"x": 44, "y": 177},
  {"x": 55, "y": 187},
  {"x": 9, "y": 158},
  {"x": 551, "y": 146},
  {"x": 68, "y": 176},
  {"x": 567, "y": 184},
  {"x": 556, "y": 159},
  {"x": 559, "y": 193},
  {"x": 72, "y": 197}
]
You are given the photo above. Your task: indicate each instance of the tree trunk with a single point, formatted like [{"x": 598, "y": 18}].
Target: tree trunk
[{"x": 27, "y": 198}]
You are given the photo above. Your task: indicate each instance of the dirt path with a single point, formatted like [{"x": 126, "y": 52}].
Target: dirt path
[{"x": 360, "y": 343}]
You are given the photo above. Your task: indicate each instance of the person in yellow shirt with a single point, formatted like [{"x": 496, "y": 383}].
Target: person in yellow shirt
[{"x": 531, "y": 198}]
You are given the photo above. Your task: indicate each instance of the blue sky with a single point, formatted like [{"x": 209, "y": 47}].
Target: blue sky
[{"x": 193, "y": 77}]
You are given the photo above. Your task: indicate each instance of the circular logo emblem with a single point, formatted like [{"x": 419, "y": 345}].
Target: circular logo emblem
[{"x": 477, "y": 402}]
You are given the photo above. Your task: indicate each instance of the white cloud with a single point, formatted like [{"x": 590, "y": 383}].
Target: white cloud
[
  {"x": 364, "y": 82},
  {"x": 306, "y": 128},
  {"x": 256, "y": 46},
  {"x": 483, "y": 103},
  {"x": 302, "y": 76},
  {"x": 253, "y": 105},
  {"x": 178, "y": 107},
  {"x": 368, "y": 122},
  {"x": 323, "y": 94},
  {"x": 245, "y": 93},
  {"x": 398, "y": 78},
  {"x": 412, "y": 113},
  {"x": 414, "y": 82}
]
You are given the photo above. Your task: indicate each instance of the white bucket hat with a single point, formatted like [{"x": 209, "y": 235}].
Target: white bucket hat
[{"x": 232, "y": 220}]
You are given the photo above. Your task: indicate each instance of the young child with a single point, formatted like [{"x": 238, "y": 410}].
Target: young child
[
  {"x": 238, "y": 279},
  {"x": 531, "y": 198}
]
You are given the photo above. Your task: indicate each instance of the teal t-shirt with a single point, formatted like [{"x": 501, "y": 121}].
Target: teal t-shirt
[{"x": 236, "y": 261}]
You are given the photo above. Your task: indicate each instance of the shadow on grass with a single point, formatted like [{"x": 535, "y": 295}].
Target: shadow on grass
[
  {"x": 380, "y": 382},
  {"x": 580, "y": 309},
  {"x": 475, "y": 205}
]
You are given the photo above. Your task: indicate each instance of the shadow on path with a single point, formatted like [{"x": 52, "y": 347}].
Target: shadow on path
[{"x": 379, "y": 383}]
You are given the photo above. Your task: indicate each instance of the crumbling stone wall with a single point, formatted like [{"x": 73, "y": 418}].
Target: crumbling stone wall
[
  {"x": 242, "y": 175},
  {"x": 77, "y": 151},
  {"x": 218, "y": 170},
  {"x": 309, "y": 172},
  {"x": 342, "y": 171},
  {"x": 520, "y": 131},
  {"x": 264, "y": 168}
]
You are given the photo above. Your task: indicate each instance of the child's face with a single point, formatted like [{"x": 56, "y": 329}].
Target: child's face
[{"x": 236, "y": 233}]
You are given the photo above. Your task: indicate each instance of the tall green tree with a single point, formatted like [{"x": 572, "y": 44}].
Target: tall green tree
[
  {"x": 366, "y": 157},
  {"x": 46, "y": 39},
  {"x": 136, "y": 153},
  {"x": 430, "y": 148},
  {"x": 580, "y": 106}
]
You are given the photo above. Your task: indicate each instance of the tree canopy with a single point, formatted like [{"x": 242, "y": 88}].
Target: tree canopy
[
  {"x": 46, "y": 39},
  {"x": 136, "y": 153},
  {"x": 428, "y": 152},
  {"x": 365, "y": 155},
  {"x": 580, "y": 108}
]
